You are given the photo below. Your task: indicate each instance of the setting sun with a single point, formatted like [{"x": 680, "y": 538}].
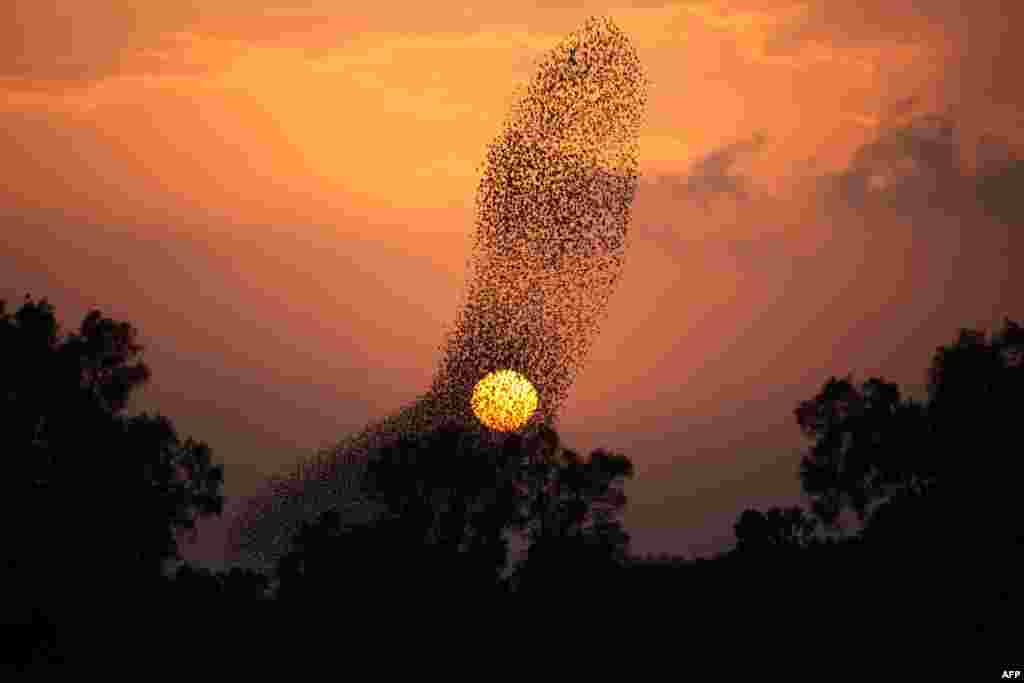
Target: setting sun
[{"x": 504, "y": 400}]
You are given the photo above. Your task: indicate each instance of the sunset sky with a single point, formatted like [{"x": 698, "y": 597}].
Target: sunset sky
[{"x": 280, "y": 196}]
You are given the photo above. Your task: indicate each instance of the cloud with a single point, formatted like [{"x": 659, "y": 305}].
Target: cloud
[
  {"x": 999, "y": 182},
  {"x": 908, "y": 184},
  {"x": 712, "y": 176},
  {"x": 976, "y": 53},
  {"x": 711, "y": 214},
  {"x": 910, "y": 168},
  {"x": 917, "y": 170}
]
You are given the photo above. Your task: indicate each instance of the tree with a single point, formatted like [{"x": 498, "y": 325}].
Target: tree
[
  {"x": 936, "y": 485},
  {"x": 179, "y": 484},
  {"x": 452, "y": 491},
  {"x": 868, "y": 447},
  {"x": 775, "y": 530},
  {"x": 447, "y": 501},
  {"x": 975, "y": 388},
  {"x": 97, "y": 495},
  {"x": 576, "y": 539},
  {"x": 874, "y": 450},
  {"x": 451, "y": 503}
]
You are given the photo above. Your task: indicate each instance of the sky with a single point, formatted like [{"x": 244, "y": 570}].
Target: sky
[{"x": 279, "y": 195}]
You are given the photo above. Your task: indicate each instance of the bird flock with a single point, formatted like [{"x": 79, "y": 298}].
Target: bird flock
[{"x": 552, "y": 213}]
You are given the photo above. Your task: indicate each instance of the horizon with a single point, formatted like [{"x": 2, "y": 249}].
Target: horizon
[{"x": 282, "y": 202}]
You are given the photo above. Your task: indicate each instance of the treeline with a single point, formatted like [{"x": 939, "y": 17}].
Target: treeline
[{"x": 914, "y": 533}]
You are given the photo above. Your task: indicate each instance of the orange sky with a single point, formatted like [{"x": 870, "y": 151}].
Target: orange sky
[{"x": 280, "y": 196}]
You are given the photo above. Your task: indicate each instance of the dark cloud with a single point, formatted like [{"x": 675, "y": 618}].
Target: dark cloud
[
  {"x": 911, "y": 179},
  {"x": 998, "y": 185},
  {"x": 911, "y": 168},
  {"x": 713, "y": 176},
  {"x": 917, "y": 170}
]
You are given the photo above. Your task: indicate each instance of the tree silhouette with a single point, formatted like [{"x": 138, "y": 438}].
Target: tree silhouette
[
  {"x": 868, "y": 447},
  {"x": 778, "y": 529},
  {"x": 575, "y": 539},
  {"x": 448, "y": 502},
  {"x": 935, "y": 485},
  {"x": 975, "y": 387},
  {"x": 180, "y": 483},
  {"x": 451, "y": 503},
  {"x": 873, "y": 448},
  {"x": 97, "y": 496}
]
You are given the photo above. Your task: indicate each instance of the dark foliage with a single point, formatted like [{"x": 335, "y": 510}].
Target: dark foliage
[
  {"x": 93, "y": 498},
  {"x": 934, "y": 557},
  {"x": 452, "y": 505}
]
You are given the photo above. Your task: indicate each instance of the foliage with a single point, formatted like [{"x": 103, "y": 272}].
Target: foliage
[
  {"x": 86, "y": 485},
  {"x": 873, "y": 448},
  {"x": 778, "y": 529},
  {"x": 452, "y": 504}
]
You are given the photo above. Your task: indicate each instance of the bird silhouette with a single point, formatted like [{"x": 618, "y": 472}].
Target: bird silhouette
[{"x": 552, "y": 211}]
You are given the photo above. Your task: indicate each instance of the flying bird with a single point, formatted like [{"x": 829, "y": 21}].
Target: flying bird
[{"x": 552, "y": 211}]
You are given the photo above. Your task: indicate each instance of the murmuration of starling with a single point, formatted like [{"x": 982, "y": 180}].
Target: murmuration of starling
[{"x": 552, "y": 212}]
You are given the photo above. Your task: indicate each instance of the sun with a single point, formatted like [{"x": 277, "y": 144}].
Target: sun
[{"x": 504, "y": 400}]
